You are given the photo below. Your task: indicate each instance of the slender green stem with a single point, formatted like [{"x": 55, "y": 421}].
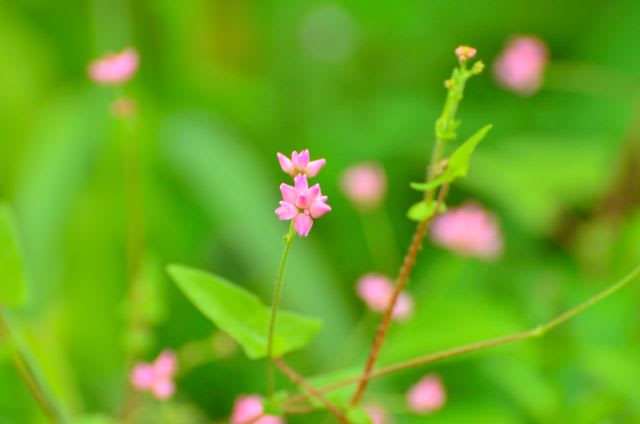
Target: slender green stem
[
  {"x": 277, "y": 294},
  {"x": 29, "y": 372},
  {"x": 535, "y": 332}
]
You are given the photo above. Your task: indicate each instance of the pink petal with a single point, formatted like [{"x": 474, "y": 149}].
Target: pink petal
[
  {"x": 301, "y": 183},
  {"x": 166, "y": 364},
  {"x": 314, "y": 167},
  {"x": 286, "y": 211},
  {"x": 375, "y": 290},
  {"x": 319, "y": 208},
  {"x": 247, "y": 408},
  {"x": 142, "y": 376},
  {"x": 114, "y": 68},
  {"x": 285, "y": 164},
  {"x": 365, "y": 184},
  {"x": 301, "y": 160},
  {"x": 289, "y": 193},
  {"x": 404, "y": 307},
  {"x": 428, "y": 395},
  {"x": 377, "y": 414},
  {"x": 302, "y": 224},
  {"x": 520, "y": 66},
  {"x": 163, "y": 389}
]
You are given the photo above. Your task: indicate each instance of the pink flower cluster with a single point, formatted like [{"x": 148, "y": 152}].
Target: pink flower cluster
[
  {"x": 156, "y": 377},
  {"x": 520, "y": 66},
  {"x": 113, "y": 69},
  {"x": 468, "y": 230},
  {"x": 465, "y": 53},
  {"x": 364, "y": 184},
  {"x": 247, "y": 408},
  {"x": 301, "y": 203},
  {"x": 375, "y": 290},
  {"x": 427, "y": 395}
]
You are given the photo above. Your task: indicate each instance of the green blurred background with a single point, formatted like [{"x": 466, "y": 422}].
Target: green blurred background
[{"x": 223, "y": 85}]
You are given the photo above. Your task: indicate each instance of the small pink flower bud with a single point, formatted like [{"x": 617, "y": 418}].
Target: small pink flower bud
[
  {"x": 302, "y": 203},
  {"x": 365, "y": 184},
  {"x": 300, "y": 163},
  {"x": 520, "y": 66},
  {"x": 156, "y": 377},
  {"x": 377, "y": 414},
  {"x": 247, "y": 408},
  {"x": 468, "y": 230},
  {"x": 465, "y": 53},
  {"x": 376, "y": 290},
  {"x": 114, "y": 69},
  {"x": 427, "y": 396}
]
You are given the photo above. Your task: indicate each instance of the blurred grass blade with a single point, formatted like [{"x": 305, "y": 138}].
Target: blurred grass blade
[
  {"x": 13, "y": 288},
  {"x": 241, "y": 314}
]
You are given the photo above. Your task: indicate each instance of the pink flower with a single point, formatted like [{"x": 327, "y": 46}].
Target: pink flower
[
  {"x": 302, "y": 204},
  {"x": 465, "y": 53},
  {"x": 377, "y": 414},
  {"x": 300, "y": 163},
  {"x": 156, "y": 377},
  {"x": 376, "y": 290},
  {"x": 114, "y": 69},
  {"x": 468, "y": 230},
  {"x": 521, "y": 64},
  {"x": 428, "y": 395},
  {"x": 247, "y": 408},
  {"x": 365, "y": 184}
]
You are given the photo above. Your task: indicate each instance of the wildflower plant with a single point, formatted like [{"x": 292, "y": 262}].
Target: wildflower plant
[{"x": 265, "y": 331}]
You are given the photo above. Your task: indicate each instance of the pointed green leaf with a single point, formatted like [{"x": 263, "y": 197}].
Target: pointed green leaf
[
  {"x": 458, "y": 162},
  {"x": 241, "y": 314},
  {"x": 13, "y": 291},
  {"x": 422, "y": 210}
]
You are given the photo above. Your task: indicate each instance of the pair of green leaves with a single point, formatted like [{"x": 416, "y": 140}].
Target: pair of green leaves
[
  {"x": 13, "y": 288},
  {"x": 241, "y": 314},
  {"x": 458, "y": 165}
]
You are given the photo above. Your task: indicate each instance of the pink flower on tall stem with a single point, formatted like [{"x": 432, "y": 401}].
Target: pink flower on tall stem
[
  {"x": 302, "y": 203},
  {"x": 468, "y": 230},
  {"x": 426, "y": 396},
  {"x": 520, "y": 66},
  {"x": 376, "y": 290},
  {"x": 365, "y": 184},
  {"x": 247, "y": 408},
  {"x": 156, "y": 377},
  {"x": 115, "y": 68},
  {"x": 300, "y": 163}
]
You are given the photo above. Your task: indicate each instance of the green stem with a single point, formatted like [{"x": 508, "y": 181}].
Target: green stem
[
  {"x": 277, "y": 294},
  {"x": 30, "y": 373},
  {"x": 535, "y": 332}
]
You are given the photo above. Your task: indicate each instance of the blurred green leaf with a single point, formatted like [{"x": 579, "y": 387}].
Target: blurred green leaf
[
  {"x": 423, "y": 210},
  {"x": 13, "y": 288},
  {"x": 242, "y": 315},
  {"x": 93, "y": 419},
  {"x": 358, "y": 415},
  {"x": 458, "y": 165}
]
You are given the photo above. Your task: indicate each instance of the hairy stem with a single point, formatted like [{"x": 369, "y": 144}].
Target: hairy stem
[
  {"x": 535, "y": 332},
  {"x": 403, "y": 277},
  {"x": 277, "y": 294},
  {"x": 312, "y": 391},
  {"x": 28, "y": 372}
]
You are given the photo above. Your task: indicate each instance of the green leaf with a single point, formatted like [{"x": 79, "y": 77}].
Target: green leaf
[
  {"x": 358, "y": 415},
  {"x": 422, "y": 210},
  {"x": 241, "y": 314},
  {"x": 458, "y": 163},
  {"x": 13, "y": 288}
]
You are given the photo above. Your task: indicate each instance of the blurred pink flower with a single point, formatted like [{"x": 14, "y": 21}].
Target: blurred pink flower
[
  {"x": 520, "y": 66},
  {"x": 364, "y": 184},
  {"x": 468, "y": 230},
  {"x": 302, "y": 204},
  {"x": 375, "y": 290},
  {"x": 428, "y": 395},
  {"x": 300, "y": 163},
  {"x": 465, "y": 53},
  {"x": 116, "y": 68},
  {"x": 247, "y": 408},
  {"x": 377, "y": 414},
  {"x": 156, "y": 377}
]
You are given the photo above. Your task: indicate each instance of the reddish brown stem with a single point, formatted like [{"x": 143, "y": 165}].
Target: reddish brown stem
[
  {"x": 312, "y": 391},
  {"x": 403, "y": 278}
]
